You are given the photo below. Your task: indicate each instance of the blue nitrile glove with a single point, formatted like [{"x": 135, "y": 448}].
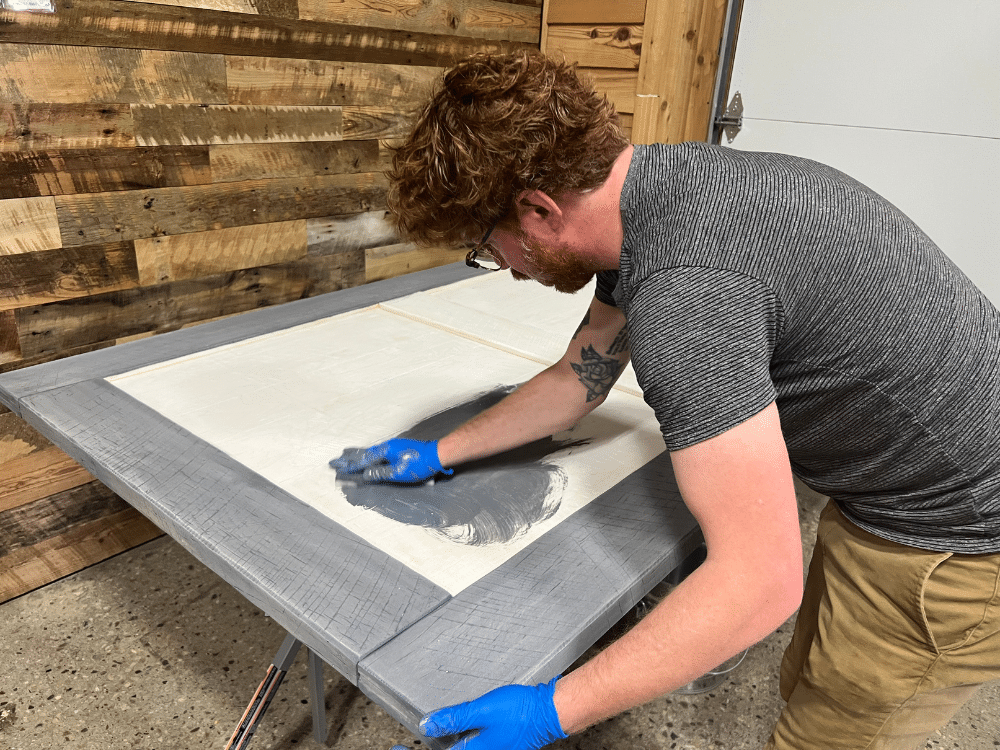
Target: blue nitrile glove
[
  {"x": 513, "y": 717},
  {"x": 396, "y": 460}
]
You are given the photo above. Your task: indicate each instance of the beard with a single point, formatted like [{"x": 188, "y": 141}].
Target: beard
[{"x": 555, "y": 267}]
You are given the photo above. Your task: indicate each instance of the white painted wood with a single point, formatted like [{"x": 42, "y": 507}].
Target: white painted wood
[{"x": 901, "y": 96}]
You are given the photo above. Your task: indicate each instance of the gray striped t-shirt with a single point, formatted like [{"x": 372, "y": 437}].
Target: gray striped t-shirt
[{"x": 749, "y": 277}]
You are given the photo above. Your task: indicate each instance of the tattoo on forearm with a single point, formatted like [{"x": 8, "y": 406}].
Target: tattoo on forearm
[
  {"x": 585, "y": 321},
  {"x": 621, "y": 342},
  {"x": 597, "y": 373}
]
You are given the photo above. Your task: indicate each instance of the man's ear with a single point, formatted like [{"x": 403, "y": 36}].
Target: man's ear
[{"x": 538, "y": 214}]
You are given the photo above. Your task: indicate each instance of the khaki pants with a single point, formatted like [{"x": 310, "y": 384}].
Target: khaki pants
[{"x": 890, "y": 641}]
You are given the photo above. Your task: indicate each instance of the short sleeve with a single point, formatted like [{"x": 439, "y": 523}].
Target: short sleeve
[
  {"x": 605, "y": 290},
  {"x": 702, "y": 341}
]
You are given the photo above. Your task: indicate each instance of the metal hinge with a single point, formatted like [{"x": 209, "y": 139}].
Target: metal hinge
[{"x": 731, "y": 121}]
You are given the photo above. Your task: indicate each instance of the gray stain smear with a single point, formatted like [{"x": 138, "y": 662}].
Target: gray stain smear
[{"x": 490, "y": 501}]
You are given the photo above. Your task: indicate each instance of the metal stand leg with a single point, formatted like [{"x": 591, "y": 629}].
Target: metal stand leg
[
  {"x": 262, "y": 698},
  {"x": 318, "y": 697}
]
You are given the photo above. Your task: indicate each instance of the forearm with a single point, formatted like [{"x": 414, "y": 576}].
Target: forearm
[
  {"x": 704, "y": 621},
  {"x": 551, "y": 401}
]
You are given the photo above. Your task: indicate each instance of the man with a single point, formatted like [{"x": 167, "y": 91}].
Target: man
[{"x": 781, "y": 318}]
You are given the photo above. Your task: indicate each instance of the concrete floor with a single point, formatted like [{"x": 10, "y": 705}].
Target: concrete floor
[{"x": 152, "y": 650}]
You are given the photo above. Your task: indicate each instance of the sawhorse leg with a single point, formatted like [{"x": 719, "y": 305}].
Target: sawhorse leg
[{"x": 269, "y": 686}]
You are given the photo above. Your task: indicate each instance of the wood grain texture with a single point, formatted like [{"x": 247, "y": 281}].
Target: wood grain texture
[
  {"x": 51, "y": 275},
  {"x": 81, "y": 545},
  {"x": 55, "y": 327},
  {"x": 72, "y": 171},
  {"x": 232, "y": 163},
  {"x": 18, "y": 439},
  {"x": 597, "y": 46},
  {"x": 339, "y": 595},
  {"x": 37, "y": 476},
  {"x": 396, "y": 260},
  {"x": 335, "y": 234},
  {"x": 188, "y": 256},
  {"x": 28, "y": 225},
  {"x": 189, "y": 124},
  {"x": 533, "y": 616},
  {"x": 10, "y": 345},
  {"x": 230, "y": 6},
  {"x": 33, "y": 73},
  {"x": 272, "y": 80},
  {"x": 110, "y": 23},
  {"x": 110, "y": 217},
  {"x": 618, "y": 85},
  {"x": 596, "y": 11},
  {"x": 677, "y": 75},
  {"x": 482, "y": 19},
  {"x": 35, "y": 127}
]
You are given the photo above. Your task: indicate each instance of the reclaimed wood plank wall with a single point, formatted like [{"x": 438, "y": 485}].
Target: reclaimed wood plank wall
[
  {"x": 656, "y": 60},
  {"x": 166, "y": 163}
]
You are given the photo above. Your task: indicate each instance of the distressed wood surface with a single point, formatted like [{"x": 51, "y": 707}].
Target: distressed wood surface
[
  {"x": 597, "y": 46},
  {"x": 394, "y": 260},
  {"x": 38, "y": 475},
  {"x": 35, "y": 127},
  {"x": 334, "y": 234},
  {"x": 108, "y": 217},
  {"x": 52, "y": 328},
  {"x": 677, "y": 74},
  {"x": 230, "y": 6},
  {"x": 48, "y": 276},
  {"x": 483, "y": 19},
  {"x": 28, "y": 225},
  {"x": 532, "y": 617},
  {"x": 596, "y": 11},
  {"x": 111, "y": 23},
  {"x": 618, "y": 85},
  {"x": 323, "y": 584},
  {"x": 188, "y": 256},
  {"x": 32, "y": 73},
  {"x": 257, "y": 161},
  {"x": 272, "y": 80},
  {"x": 191, "y": 124},
  {"x": 71, "y": 171}
]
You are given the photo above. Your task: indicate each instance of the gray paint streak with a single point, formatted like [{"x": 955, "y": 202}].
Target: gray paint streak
[{"x": 490, "y": 501}]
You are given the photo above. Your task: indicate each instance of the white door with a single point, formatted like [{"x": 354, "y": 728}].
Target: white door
[{"x": 903, "y": 96}]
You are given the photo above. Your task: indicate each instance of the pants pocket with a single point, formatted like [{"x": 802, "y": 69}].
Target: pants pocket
[{"x": 959, "y": 600}]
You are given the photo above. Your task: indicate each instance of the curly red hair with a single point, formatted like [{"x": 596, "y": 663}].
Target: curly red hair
[{"x": 497, "y": 125}]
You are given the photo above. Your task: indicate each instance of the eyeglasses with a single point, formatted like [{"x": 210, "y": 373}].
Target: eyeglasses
[{"x": 485, "y": 252}]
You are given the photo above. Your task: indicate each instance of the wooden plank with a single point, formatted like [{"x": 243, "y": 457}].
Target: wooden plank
[
  {"x": 482, "y": 19},
  {"x": 184, "y": 124},
  {"x": 396, "y": 260},
  {"x": 28, "y": 568},
  {"x": 257, "y": 161},
  {"x": 677, "y": 74},
  {"x": 72, "y": 171},
  {"x": 39, "y": 475},
  {"x": 336, "y": 234},
  {"x": 28, "y": 225},
  {"x": 52, "y": 275},
  {"x": 33, "y": 127},
  {"x": 618, "y": 85},
  {"x": 18, "y": 439},
  {"x": 54, "y": 327},
  {"x": 273, "y": 81},
  {"x": 109, "y": 23},
  {"x": 363, "y": 123},
  {"x": 596, "y": 11},
  {"x": 597, "y": 46},
  {"x": 33, "y": 73},
  {"x": 10, "y": 347},
  {"x": 111, "y": 217},
  {"x": 230, "y": 6},
  {"x": 188, "y": 256}
]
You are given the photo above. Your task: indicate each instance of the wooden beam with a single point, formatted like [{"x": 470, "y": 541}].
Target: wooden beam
[
  {"x": 257, "y": 161},
  {"x": 110, "y": 23},
  {"x": 112, "y": 217},
  {"x": 190, "y": 124},
  {"x": 677, "y": 73},
  {"x": 597, "y": 46},
  {"x": 73, "y": 171}
]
